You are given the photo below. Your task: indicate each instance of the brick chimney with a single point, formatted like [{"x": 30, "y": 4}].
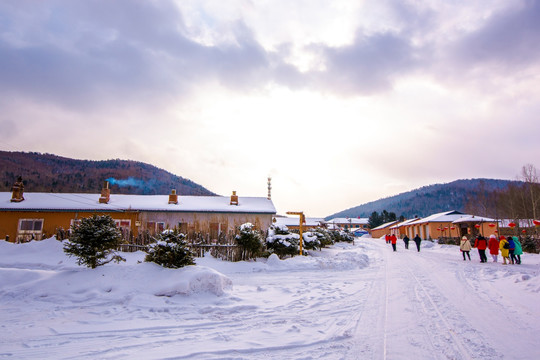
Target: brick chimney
[
  {"x": 17, "y": 190},
  {"x": 173, "y": 197},
  {"x": 234, "y": 198},
  {"x": 105, "y": 193}
]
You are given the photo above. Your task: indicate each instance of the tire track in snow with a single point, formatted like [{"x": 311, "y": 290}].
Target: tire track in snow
[
  {"x": 373, "y": 317},
  {"x": 445, "y": 318}
]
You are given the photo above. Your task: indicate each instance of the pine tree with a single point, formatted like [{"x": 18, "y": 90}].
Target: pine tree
[
  {"x": 281, "y": 242},
  {"x": 249, "y": 240},
  {"x": 170, "y": 250},
  {"x": 94, "y": 241}
]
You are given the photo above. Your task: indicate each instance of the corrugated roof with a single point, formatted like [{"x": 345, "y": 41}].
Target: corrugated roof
[
  {"x": 90, "y": 202},
  {"x": 472, "y": 219},
  {"x": 385, "y": 225},
  {"x": 403, "y": 223},
  {"x": 447, "y": 216},
  {"x": 356, "y": 221}
]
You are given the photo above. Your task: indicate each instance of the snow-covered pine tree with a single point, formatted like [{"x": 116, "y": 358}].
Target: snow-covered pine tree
[
  {"x": 170, "y": 250},
  {"x": 281, "y": 242},
  {"x": 249, "y": 240},
  {"x": 94, "y": 241}
]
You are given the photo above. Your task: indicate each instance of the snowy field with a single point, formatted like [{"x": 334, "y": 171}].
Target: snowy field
[{"x": 359, "y": 301}]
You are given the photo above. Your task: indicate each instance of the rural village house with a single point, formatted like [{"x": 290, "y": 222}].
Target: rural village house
[
  {"x": 382, "y": 229},
  {"x": 348, "y": 223},
  {"x": 293, "y": 223},
  {"x": 41, "y": 215}
]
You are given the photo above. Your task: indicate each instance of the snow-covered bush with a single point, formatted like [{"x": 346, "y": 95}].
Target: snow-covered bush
[
  {"x": 170, "y": 250},
  {"x": 94, "y": 241},
  {"x": 340, "y": 235},
  {"x": 311, "y": 240},
  {"x": 324, "y": 237},
  {"x": 281, "y": 242},
  {"x": 249, "y": 240}
]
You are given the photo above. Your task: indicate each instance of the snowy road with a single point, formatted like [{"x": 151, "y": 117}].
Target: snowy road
[{"x": 359, "y": 301}]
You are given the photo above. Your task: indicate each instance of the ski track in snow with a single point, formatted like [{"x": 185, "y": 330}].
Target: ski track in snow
[{"x": 403, "y": 305}]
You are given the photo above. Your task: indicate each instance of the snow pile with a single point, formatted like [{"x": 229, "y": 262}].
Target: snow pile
[{"x": 41, "y": 270}]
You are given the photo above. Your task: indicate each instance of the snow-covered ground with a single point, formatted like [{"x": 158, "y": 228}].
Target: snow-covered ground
[{"x": 359, "y": 301}]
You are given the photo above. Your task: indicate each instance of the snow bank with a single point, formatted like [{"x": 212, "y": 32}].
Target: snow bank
[{"x": 40, "y": 270}]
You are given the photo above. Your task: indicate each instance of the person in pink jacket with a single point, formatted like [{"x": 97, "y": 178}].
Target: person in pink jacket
[{"x": 493, "y": 246}]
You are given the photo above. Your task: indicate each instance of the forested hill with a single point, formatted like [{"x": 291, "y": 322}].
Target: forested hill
[
  {"x": 428, "y": 199},
  {"x": 51, "y": 173}
]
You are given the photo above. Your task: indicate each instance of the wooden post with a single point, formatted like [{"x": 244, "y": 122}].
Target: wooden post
[{"x": 302, "y": 220}]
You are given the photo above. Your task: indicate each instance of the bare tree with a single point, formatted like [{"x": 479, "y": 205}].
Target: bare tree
[{"x": 532, "y": 189}]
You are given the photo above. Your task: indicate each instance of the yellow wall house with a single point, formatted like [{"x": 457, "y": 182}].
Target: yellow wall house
[
  {"x": 382, "y": 230},
  {"x": 427, "y": 228},
  {"x": 28, "y": 216}
]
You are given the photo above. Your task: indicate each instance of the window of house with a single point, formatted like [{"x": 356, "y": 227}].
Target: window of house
[
  {"x": 123, "y": 224},
  {"x": 155, "y": 227},
  {"x": 29, "y": 229},
  {"x": 30, "y": 225}
]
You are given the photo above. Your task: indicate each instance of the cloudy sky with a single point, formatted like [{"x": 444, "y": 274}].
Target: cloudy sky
[{"x": 341, "y": 102}]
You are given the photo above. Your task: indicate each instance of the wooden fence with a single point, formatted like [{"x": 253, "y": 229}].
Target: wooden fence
[{"x": 224, "y": 247}]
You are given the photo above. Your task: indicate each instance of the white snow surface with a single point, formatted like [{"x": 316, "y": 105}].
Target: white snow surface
[{"x": 349, "y": 301}]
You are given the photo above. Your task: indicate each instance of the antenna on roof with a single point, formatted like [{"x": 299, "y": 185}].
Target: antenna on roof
[{"x": 269, "y": 188}]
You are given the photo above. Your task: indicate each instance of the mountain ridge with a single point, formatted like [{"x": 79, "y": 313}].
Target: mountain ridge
[
  {"x": 429, "y": 199},
  {"x": 53, "y": 173}
]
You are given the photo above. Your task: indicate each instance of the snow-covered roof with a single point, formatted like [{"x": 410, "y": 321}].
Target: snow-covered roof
[
  {"x": 385, "y": 225},
  {"x": 472, "y": 219},
  {"x": 117, "y": 202},
  {"x": 355, "y": 221},
  {"x": 447, "y": 216},
  {"x": 295, "y": 221},
  {"x": 403, "y": 223}
]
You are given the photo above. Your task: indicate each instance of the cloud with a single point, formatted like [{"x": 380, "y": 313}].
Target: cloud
[
  {"x": 81, "y": 55},
  {"x": 369, "y": 65},
  {"x": 508, "y": 38}
]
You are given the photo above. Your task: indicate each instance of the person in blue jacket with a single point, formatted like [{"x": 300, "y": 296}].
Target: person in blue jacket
[{"x": 512, "y": 249}]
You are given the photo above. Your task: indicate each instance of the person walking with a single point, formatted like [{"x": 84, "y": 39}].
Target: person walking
[
  {"x": 493, "y": 246},
  {"x": 417, "y": 240},
  {"x": 406, "y": 241},
  {"x": 387, "y": 238},
  {"x": 518, "y": 250},
  {"x": 393, "y": 240},
  {"x": 504, "y": 246},
  {"x": 481, "y": 244},
  {"x": 465, "y": 247},
  {"x": 511, "y": 249}
]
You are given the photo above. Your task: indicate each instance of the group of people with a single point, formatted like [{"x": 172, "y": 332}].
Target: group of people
[
  {"x": 510, "y": 248},
  {"x": 392, "y": 239}
]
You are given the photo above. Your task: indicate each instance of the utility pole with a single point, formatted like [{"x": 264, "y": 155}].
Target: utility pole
[{"x": 302, "y": 220}]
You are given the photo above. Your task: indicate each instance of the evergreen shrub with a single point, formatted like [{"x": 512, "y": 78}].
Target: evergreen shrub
[
  {"x": 94, "y": 241},
  {"x": 169, "y": 250}
]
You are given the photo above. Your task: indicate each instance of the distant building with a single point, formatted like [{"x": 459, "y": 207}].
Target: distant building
[
  {"x": 293, "y": 223},
  {"x": 348, "y": 223},
  {"x": 383, "y": 229}
]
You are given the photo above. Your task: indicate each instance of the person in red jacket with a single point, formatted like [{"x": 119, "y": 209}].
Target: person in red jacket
[
  {"x": 493, "y": 246},
  {"x": 481, "y": 244},
  {"x": 387, "y": 238},
  {"x": 393, "y": 240}
]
